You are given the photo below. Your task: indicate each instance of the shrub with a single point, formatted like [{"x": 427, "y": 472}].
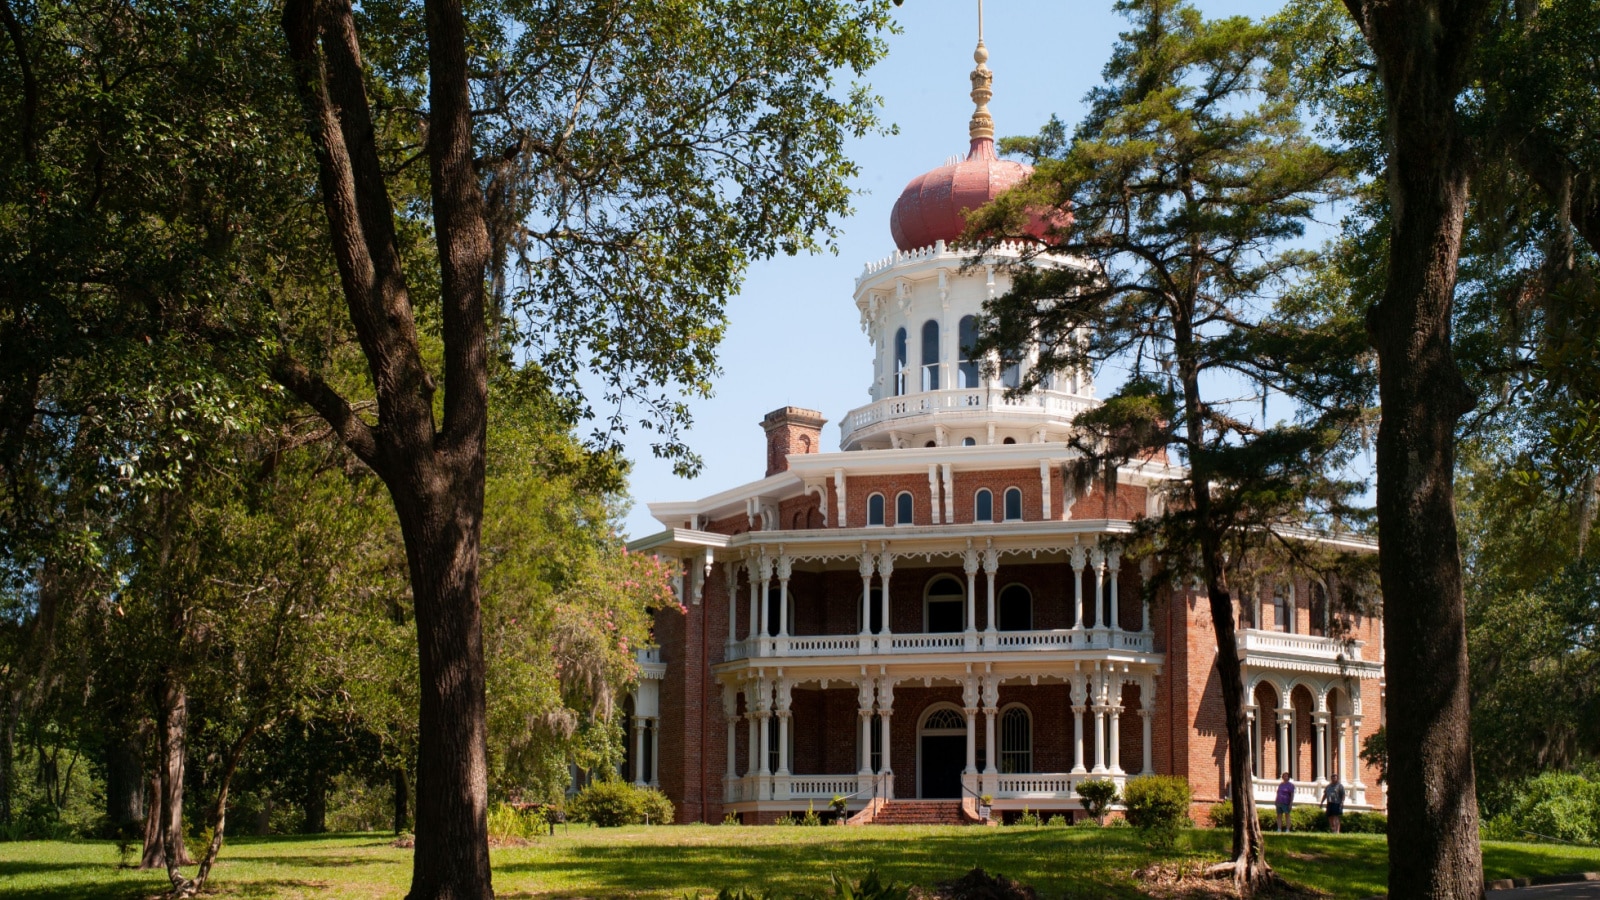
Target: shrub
[
  {"x": 1057, "y": 821},
  {"x": 1158, "y": 805},
  {"x": 1365, "y": 823},
  {"x": 612, "y": 803},
  {"x": 1097, "y": 794},
  {"x": 1221, "y": 816},
  {"x": 1027, "y": 818},
  {"x": 1308, "y": 818},
  {"x": 730, "y": 818},
  {"x": 1552, "y": 805},
  {"x": 507, "y": 823}
]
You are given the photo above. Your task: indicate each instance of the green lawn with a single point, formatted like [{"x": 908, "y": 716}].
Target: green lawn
[{"x": 671, "y": 862}]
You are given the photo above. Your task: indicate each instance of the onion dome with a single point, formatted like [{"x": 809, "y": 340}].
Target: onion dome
[{"x": 932, "y": 207}]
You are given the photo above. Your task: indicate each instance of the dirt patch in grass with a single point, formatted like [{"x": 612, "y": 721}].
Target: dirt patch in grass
[
  {"x": 976, "y": 885},
  {"x": 1187, "y": 880}
]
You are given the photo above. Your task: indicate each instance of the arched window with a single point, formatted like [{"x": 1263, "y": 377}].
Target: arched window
[
  {"x": 1016, "y": 609},
  {"x": 875, "y": 509},
  {"x": 904, "y": 509},
  {"x": 969, "y": 371},
  {"x": 1013, "y": 504},
  {"x": 1283, "y": 607},
  {"x": 901, "y": 360},
  {"x": 930, "y": 355},
  {"x": 1319, "y": 609},
  {"x": 1016, "y": 740},
  {"x": 1009, "y": 440},
  {"x": 944, "y": 719},
  {"x": 983, "y": 506},
  {"x": 969, "y": 442},
  {"x": 1011, "y": 375},
  {"x": 945, "y": 605}
]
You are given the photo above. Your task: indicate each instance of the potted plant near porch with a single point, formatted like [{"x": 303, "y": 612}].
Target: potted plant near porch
[
  {"x": 839, "y": 804},
  {"x": 985, "y": 803}
]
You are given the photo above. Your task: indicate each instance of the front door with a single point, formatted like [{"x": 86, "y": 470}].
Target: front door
[{"x": 943, "y": 757}]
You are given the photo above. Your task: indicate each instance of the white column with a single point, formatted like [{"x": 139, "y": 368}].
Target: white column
[
  {"x": 1255, "y": 740},
  {"x": 1342, "y": 724},
  {"x": 638, "y": 750},
  {"x": 784, "y": 571},
  {"x": 766, "y": 589},
  {"x": 866, "y": 591},
  {"x": 1285, "y": 718},
  {"x": 1319, "y": 746},
  {"x": 991, "y": 565},
  {"x": 1099, "y": 739},
  {"x": 765, "y": 736},
  {"x": 731, "y": 570},
  {"x": 885, "y": 569},
  {"x": 1044, "y": 489},
  {"x": 784, "y": 699},
  {"x": 969, "y": 564},
  {"x": 1097, "y": 559},
  {"x": 1079, "y": 559},
  {"x": 864, "y": 710},
  {"x": 1355, "y": 751},
  {"x": 1114, "y": 723},
  {"x": 991, "y": 702},
  {"x": 1147, "y": 567},
  {"x": 1114, "y": 569},
  {"x": 750, "y": 572},
  {"x": 1145, "y": 715},
  {"x": 655, "y": 752},
  {"x": 753, "y": 744},
  {"x": 933, "y": 492},
  {"x": 1080, "y": 696},
  {"x": 884, "y": 765},
  {"x": 949, "y": 493},
  {"x": 972, "y": 741},
  {"x": 730, "y": 712}
]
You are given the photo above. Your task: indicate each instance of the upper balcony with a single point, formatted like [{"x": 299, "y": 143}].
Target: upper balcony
[
  {"x": 914, "y": 415},
  {"x": 940, "y": 645}
]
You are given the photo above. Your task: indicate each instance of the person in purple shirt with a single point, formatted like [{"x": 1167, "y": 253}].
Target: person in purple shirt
[{"x": 1284, "y": 802}]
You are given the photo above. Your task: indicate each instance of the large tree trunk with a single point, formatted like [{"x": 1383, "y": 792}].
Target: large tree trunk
[
  {"x": 435, "y": 474},
  {"x": 125, "y": 786},
  {"x": 452, "y": 836},
  {"x": 314, "y": 806},
  {"x": 164, "y": 846},
  {"x": 1423, "y": 50}
]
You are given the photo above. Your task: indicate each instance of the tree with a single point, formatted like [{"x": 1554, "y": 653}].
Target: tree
[
  {"x": 660, "y": 148},
  {"x": 1173, "y": 208}
]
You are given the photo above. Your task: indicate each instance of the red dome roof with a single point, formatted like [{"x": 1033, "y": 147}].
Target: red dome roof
[{"x": 931, "y": 207}]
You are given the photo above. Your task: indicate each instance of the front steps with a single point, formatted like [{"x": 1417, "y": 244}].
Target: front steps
[{"x": 915, "y": 812}]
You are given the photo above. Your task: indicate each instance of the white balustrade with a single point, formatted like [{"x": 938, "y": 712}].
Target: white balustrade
[
  {"x": 949, "y": 642},
  {"x": 1041, "y": 404},
  {"x": 824, "y": 645},
  {"x": 821, "y": 787},
  {"x": 1256, "y": 640},
  {"x": 922, "y": 643}
]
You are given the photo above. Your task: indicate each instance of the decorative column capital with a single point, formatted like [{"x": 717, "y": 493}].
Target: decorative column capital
[
  {"x": 785, "y": 567},
  {"x": 886, "y": 563},
  {"x": 969, "y": 561},
  {"x": 885, "y": 695},
  {"x": 1079, "y": 557},
  {"x": 868, "y": 561},
  {"x": 764, "y": 563},
  {"x": 991, "y": 561},
  {"x": 970, "y": 693},
  {"x": 1097, "y": 558},
  {"x": 1114, "y": 557}
]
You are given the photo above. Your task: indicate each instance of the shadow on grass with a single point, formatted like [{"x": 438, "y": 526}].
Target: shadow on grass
[
  {"x": 82, "y": 888},
  {"x": 310, "y": 860},
  {"x": 17, "y": 868}
]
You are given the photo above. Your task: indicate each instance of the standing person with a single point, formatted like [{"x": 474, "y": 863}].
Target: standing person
[
  {"x": 1285, "y": 802},
  {"x": 1333, "y": 802}
]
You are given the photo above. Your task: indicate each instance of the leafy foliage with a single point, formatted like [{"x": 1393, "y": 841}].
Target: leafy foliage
[
  {"x": 1550, "y": 805},
  {"x": 612, "y": 803},
  {"x": 1158, "y": 805},
  {"x": 1097, "y": 795}
]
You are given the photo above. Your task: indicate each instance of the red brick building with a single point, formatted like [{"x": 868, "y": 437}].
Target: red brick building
[{"x": 933, "y": 612}]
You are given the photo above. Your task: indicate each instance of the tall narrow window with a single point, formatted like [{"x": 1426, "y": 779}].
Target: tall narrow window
[
  {"x": 946, "y": 605},
  {"x": 1283, "y": 608},
  {"x": 1016, "y": 741},
  {"x": 983, "y": 506},
  {"x": 877, "y": 744},
  {"x": 1016, "y": 609},
  {"x": 772, "y": 744},
  {"x": 875, "y": 509},
  {"x": 1319, "y": 609},
  {"x": 969, "y": 371},
  {"x": 1011, "y": 375},
  {"x": 930, "y": 355},
  {"x": 775, "y": 606},
  {"x": 875, "y": 610},
  {"x": 1013, "y": 504},
  {"x": 904, "y": 508},
  {"x": 901, "y": 359}
]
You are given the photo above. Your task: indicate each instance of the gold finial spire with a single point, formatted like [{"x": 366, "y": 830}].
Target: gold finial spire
[{"x": 982, "y": 126}]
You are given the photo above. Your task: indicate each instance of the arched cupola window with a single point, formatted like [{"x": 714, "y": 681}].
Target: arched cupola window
[
  {"x": 930, "y": 355},
  {"x": 875, "y": 509},
  {"x": 1013, "y": 504},
  {"x": 983, "y": 506},
  {"x": 969, "y": 371},
  {"x": 902, "y": 358},
  {"x": 904, "y": 509}
]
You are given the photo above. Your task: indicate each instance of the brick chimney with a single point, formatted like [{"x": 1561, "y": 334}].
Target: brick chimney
[{"x": 791, "y": 430}]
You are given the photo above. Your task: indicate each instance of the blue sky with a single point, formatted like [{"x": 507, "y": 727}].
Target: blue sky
[{"x": 794, "y": 337}]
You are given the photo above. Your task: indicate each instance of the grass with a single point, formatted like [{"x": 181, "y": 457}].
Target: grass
[{"x": 672, "y": 862}]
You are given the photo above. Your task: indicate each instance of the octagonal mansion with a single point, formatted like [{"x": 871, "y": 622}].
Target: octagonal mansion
[{"x": 930, "y": 615}]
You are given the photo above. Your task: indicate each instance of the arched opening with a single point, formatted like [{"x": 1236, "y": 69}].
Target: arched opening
[
  {"x": 874, "y": 611},
  {"x": 904, "y": 509},
  {"x": 1013, "y": 504},
  {"x": 944, "y": 606},
  {"x": 875, "y": 509},
  {"x": 969, "y": 372},
  {"x": 901, "y": 359},
  {"x": 775, "y": 608},
  {"x": 1009, "y": 440},
  {"x": 1321, "y": 626},
  {"x": 1016, "y": 740},
  {"x": 1264, "y": 732},
  {"x": 983, "y": 506},
  {"x": 1337, "y": 759},
  {"x": 1016, "y": 609},
  {"x": 1283, "y": 606},
  {"x": 941, "y": 752},
  {"x": 1302, "y": 735},
  {"x": 930, "y": 355}
]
